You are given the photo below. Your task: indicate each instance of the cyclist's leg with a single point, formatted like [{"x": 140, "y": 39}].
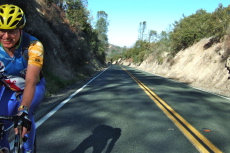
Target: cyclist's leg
[
  {"x": 38, "y": 96},
  {"x": 8, "y": 107}
]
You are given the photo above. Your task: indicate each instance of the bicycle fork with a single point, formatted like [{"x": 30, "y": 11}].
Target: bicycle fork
[{"x": 18, "y": 141}]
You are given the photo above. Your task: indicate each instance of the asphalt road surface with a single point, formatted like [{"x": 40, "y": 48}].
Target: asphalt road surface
[{"x": 125, "y": 110}]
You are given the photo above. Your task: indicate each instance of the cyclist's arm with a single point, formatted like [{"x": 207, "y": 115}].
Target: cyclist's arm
[
  {"x": 35, "y": 63},
  {"x": 32, "y": 76}
]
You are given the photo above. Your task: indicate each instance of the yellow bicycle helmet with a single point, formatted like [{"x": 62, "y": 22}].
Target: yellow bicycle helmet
[{"x": 11, "y": 17}]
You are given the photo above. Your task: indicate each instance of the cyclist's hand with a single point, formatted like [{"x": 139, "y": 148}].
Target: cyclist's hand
[{"x": 22, "y": 118}]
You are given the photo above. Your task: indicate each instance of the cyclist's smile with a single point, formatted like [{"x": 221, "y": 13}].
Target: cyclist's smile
[{"x": 9, "y": 39}]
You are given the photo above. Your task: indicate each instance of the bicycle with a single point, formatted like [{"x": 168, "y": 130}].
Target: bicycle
[{"x": 18, "y": 140}]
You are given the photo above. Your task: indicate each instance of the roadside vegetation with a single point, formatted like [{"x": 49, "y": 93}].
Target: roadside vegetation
[{"x": 180, "y": 35}]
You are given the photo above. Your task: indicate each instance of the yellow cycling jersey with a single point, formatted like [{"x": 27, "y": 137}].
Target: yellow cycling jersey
[
  {"x": 13, "y": 69},
  {"x": 35, "y": 54}
]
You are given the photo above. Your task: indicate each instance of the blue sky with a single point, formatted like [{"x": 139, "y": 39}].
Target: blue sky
[{"x": 125, "y": 15}]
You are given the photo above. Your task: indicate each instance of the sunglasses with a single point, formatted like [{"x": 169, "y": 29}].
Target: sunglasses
[{"x": 12, "y": 32}]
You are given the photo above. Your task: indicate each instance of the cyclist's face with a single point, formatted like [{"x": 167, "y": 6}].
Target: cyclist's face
[{"x": 9, "y": 38}]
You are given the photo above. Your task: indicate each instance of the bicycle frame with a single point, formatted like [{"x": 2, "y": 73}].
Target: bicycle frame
[{"x": 18, "y": 139}]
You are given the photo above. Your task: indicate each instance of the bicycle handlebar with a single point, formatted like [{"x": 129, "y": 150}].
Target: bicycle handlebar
[{"x": 7, "y": 118}]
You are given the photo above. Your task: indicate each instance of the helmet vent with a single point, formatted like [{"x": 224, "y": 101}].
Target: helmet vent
[
  {"x": 11, "y": 12},
  {"x": 1, "y": 18},
  {"x": 8, "y": 21},
  {"x": 1, "y": 11},
  {"x": 19, "y": 16},
  {"x": 14, "y": 23}
]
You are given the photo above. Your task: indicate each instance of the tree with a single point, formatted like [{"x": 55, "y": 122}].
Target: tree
[
  {"x": 63, "y": 4},
  {"x": 142, "y": 28},
  {"x": 164, "y": 36},
  {"x": 191, "y": 29},
  {"x": 102, "y": 26},
  {"x": 101, "y": 29},
  {"x": 152, "y": 35},
  {"x": 77, "y": 15}
]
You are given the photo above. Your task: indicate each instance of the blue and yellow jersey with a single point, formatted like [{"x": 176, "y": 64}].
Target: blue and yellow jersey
[{"x": 13, "y": 69}]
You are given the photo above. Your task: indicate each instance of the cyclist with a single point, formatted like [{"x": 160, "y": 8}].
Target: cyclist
[{"x": 21, "y": 60}]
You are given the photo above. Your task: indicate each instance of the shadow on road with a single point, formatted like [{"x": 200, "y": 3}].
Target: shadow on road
[{"x": 99, "y": 139}]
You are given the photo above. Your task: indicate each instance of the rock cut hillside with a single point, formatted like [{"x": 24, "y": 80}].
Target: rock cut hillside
[{"x": 196, "y": 66}]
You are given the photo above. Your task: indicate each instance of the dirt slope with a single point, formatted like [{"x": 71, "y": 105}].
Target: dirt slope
[{"x": 199, "y": 67}]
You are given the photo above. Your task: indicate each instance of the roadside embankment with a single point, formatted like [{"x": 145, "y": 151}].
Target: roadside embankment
[{"x": 196, "y": 66}]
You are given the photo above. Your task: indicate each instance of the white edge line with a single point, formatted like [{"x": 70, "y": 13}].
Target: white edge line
[
  {"x": 47, "y": 116},
  {"x": 42, "y": 120}
]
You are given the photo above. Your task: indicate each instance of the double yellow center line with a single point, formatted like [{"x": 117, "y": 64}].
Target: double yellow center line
[{"x": 202, "y": 144}]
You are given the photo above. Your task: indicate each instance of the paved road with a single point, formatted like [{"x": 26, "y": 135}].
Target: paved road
[{"x": 124, "y": 110}]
